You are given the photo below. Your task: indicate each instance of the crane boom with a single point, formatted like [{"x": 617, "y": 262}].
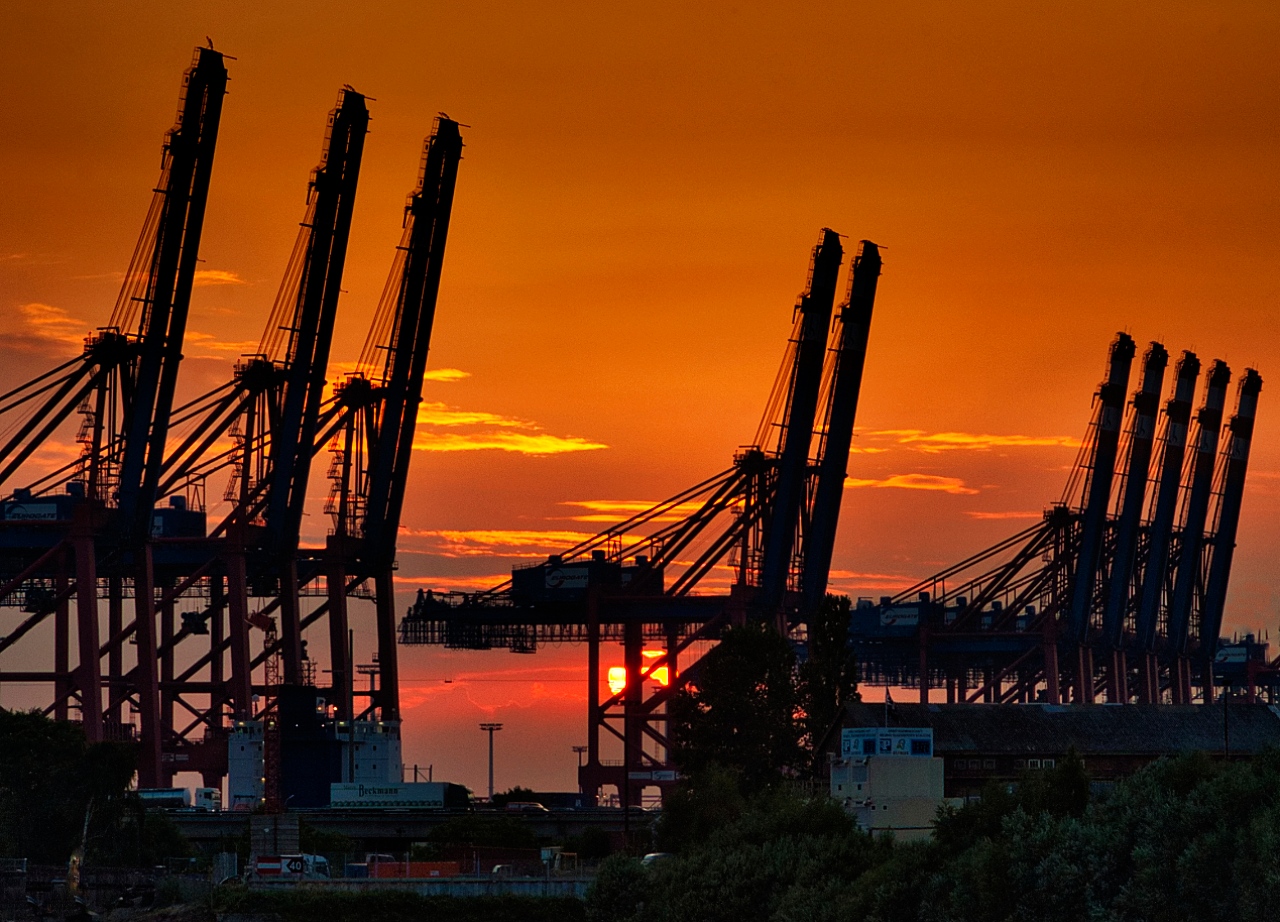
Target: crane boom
[
  {"x": 166, "y": 296},
  {"x": 1235, "y": 466},
  {"x": 1098, "y": 492},
  {"x": 1191, "y": 544},
  {"x": 802, "y": 405},
  {"x": 427, "y": 229},
  {"x": 833, "y": 463},
  {"x": 1177, "y": 413},
  {"x": 328, "y": 225},
  {"x": 1146, "y": 403}
]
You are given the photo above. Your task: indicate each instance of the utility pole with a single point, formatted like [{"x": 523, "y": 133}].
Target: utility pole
[
  {"x": 580, "y": 750},
  {"x": 491, "y": 729}
]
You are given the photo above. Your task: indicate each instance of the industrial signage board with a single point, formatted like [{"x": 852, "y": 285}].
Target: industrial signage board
[
  {"x": 857, "y": 742},
  {"x": 31, "y": 512},
  {"x": 900, "y": 616},
  {"x": 422, "y": 794},
  {"x": 567, "y": 577}
]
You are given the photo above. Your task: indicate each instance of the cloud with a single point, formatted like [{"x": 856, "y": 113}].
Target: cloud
[
  {"x": 894, "y": 581},
  {"x": 496, "y": 433},
  {"x": 952, "y": 485},
  {"x": 933, "y": 442},
  {"x": 53, "y": 324},
  {"x": 440, "y": 414},
  {"x": 195, "y": 340},
  {"x": 508, "y": 542},
  {"x": 454, "y": 583},
  {"x": 51, "y": 455},
  {"x": 448, "y": 375},
  {"x": 1002, "y": 516},
  {"x": 208, "y": 277},
  {"x": 520, "y": 442},
  {"x": 616, "y": 510}
]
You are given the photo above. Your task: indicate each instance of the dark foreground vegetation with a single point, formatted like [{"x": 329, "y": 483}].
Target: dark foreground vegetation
[
  {"x": 59, "y": 794},
  {"x": 1185, "y": 839},
  {"x": 304, "y": 905}
]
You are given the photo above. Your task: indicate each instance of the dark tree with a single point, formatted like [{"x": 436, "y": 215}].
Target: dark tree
[
  {"x": 516, "y": 795},
  {"x": 742, "y": 712},
  {"x": 829, "y": 675},
  {"x": 54, "y": 786}
]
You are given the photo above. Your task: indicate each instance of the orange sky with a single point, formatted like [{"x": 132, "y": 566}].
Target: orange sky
[{"x": 641, "y": 189}]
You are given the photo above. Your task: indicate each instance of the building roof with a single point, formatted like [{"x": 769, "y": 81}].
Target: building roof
[{"x": 1129, "y": 729}]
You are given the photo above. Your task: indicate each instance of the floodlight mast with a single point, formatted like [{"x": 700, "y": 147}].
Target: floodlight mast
[{"x": 491, "y": 729}]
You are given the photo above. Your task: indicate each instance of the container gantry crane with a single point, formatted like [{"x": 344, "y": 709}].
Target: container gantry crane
[
  {"x": 642, "y": 580},
  {"x": 273, "y": 414},
  {"x": 402, "y": 325},
  {"x": 1096, "y": 600},
  {"x": 378, "y": 414},
  {"x": 123, "y": 384}
]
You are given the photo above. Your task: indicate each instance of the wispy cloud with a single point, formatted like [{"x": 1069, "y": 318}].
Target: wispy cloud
[
  {"x": 440, "y": 414},
  {"x": 51, "y": 455},
  {"x": 53, "y": 324},
  {"x": 447, "y": 375},
  {"x": 615, "y": 510},
  {"x": 438, "y": 424},
  {"x": 952, "y": 485},
  {"x": 888, "y": 581},
  {"x": 524, "y": 443},
  {"x": 933, "y": 442},
  {"x": 207, "y": 277},
  {"x": 1003, "y": 516},
  {"x": 195, "y": 340},
  {"x": 504, "y": 541},
  {"x": 453, "y": 583}
]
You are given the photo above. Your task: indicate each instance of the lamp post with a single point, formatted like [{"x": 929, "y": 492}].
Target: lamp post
[
  {"x": 580, "y": 750},
  {"x": 491, "y": 729}
]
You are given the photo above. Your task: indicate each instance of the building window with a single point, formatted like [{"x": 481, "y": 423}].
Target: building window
[
  {"x": 1033, "y": 763},
  {"x": 989, "y": 764},
  {"x": 1048, "y": 763},
  {"x": 1019, "y": 764}
]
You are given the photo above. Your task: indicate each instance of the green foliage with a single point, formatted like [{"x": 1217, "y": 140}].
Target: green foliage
[
  {"x": 592, "y": 844},
  {"x": 516, "y": 794},
  {"x": 315, "y": 841},
  {"x": 307, "y": 905},
  {"x": 706, "y": 801},
  {"x": 742, "y": 713},
  {"x": 487, "y": 831},
  {"x": 1185, "y": 839},
  {"x": 137, "y": 837},
  {"x": 754, "y": 711},
  {"x": 56, "y": 789},
  {"x": 828, "y": 679},
  {"x": 620, "y": 890}
]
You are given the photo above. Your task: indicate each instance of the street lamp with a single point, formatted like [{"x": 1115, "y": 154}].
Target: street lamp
[
  {"x": 491, "y": 729},
  {"x": 580, "y": 750}
]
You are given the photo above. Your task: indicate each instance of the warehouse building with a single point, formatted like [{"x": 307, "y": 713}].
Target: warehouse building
[{"x": 978, "y": 743}]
